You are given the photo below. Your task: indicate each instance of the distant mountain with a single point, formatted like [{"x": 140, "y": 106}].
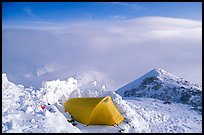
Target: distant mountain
[{"x": 162, "y": 85}]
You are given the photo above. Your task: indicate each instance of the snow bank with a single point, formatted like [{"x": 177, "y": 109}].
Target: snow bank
[
  {"x": 21, "y": 111},
  {"x": 28, "y": 110},
  {"x": 60, "y": 91}
]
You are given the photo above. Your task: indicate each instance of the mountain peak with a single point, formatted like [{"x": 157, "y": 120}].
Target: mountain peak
[
  {"x": 162, "y": 85},
  {"x": 156, "y": 72},
  {"x": 159, "y": 70}
]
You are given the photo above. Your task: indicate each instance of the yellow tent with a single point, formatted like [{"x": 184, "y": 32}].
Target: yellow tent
[{"x": 93, "y": 111}]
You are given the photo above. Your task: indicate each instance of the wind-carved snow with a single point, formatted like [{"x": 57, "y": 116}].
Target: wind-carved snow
[{"x": 22, "y": 112}]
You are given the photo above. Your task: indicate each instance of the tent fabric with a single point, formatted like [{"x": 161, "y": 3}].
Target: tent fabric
[{"x": 94, "y": 111}]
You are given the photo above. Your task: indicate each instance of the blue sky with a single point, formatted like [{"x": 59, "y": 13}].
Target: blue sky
[
  {"x": 113, "y": 43},
  {"x": 69, "y": 11}
]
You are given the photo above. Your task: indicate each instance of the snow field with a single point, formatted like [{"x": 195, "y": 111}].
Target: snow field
[{"x": 22, "y": 112}]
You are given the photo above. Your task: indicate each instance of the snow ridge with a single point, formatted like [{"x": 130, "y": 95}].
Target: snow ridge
[{"x": 159, "y": 84}]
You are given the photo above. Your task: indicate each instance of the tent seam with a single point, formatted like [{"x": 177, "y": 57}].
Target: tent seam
[{"x": 95, "y": 109}]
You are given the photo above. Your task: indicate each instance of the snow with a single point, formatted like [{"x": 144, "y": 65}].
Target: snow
[
  {"x": 162, "y": 85},
  {"x": 152, "y": 73},
  {"x": 172, "y": 117},
  {"x": 22, "y": 112},
  {"x": 168, "y": 78}
]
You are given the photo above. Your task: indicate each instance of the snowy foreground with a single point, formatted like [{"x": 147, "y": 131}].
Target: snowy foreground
[{"x": 22, "y": 112}]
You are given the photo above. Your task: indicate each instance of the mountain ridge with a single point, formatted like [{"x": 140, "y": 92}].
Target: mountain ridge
[{"x": 165, "y": 86}]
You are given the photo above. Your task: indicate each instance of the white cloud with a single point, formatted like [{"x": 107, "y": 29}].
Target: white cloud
[
  {"x": 117, "y": 51},
  {"x": 28, "y": 11},
  {"x": 45, "y": 69},
  {"x": 92, "y": 76},
  {"x": 117, "y": 17},
  {"x": 28, "y": 75},
  {"x": 131, "y": 5}
]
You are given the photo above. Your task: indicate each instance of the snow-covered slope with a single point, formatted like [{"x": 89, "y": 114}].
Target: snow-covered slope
[
  {"x": 22, "y": 112},
  {"x": 166, "y": 118},
  {"x": 159, "y": 84}
]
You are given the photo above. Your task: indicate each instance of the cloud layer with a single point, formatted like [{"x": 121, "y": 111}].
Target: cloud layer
[{"x": 113, "y": 52}]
